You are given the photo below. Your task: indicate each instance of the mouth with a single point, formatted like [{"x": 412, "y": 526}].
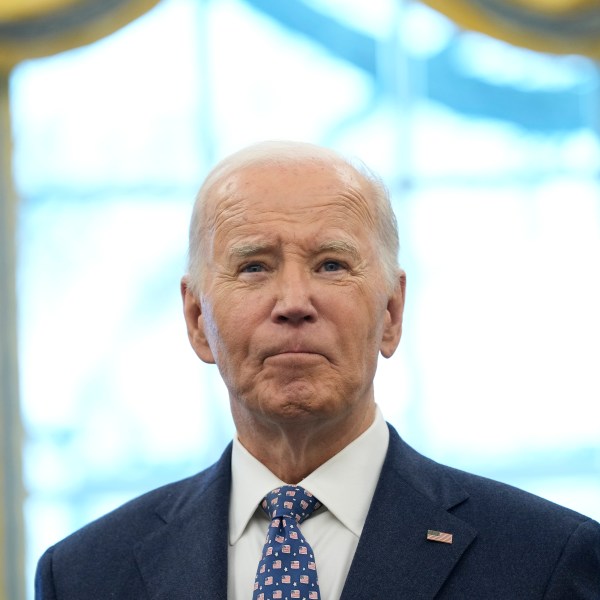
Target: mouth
[
  {"x": 295, "y": 354},
  {"x": 293, "y": 349}
]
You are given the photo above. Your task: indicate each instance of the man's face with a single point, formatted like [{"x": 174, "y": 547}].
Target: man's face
[{"x": 294, "y": 308}]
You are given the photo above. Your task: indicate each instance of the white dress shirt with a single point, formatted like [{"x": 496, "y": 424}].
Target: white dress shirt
[{"x": 333, "y": 531}]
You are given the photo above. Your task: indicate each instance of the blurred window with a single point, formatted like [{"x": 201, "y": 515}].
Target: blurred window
[{"x": 491, "y": 153}]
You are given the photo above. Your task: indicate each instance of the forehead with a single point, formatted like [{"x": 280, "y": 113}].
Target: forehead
[{"x": 320, "y": 193}]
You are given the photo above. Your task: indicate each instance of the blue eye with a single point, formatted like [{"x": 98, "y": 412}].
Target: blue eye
[
  {"x": 253, "y": 268},
  {"x": 331, "y": 266}
]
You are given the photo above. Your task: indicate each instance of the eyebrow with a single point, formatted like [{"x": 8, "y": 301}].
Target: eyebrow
[
  {"x": 339, "y": 246},
  {"x": 248, "y": 249}
]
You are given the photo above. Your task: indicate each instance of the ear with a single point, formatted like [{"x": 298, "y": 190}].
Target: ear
[
  {"x": 392, "y": 331},
  {"x": 192, "y": 310}
]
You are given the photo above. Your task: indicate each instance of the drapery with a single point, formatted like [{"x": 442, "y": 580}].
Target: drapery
[
  {"x": 34, "y": 28},
  {"x": 558, "y": 26}
]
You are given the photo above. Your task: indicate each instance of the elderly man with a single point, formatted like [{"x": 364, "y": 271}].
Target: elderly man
[{"x": 293, "y": 290}]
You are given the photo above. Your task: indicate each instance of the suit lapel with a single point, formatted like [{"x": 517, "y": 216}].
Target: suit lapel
[
  {"x": 394, "y": 559},
  {"x": 186, "y": 558}
]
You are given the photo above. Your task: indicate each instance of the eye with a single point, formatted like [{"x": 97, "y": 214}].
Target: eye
[
  {"x": 253, "y": 268},
  {"x": 330, "y": 266}
]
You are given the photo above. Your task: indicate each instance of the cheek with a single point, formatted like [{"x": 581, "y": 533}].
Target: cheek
[
  {"x": 363, "y": 326},
  {"x": 228, "y": 329},
  {"x": 209, "y": 323},
  {"x": 215, "y": 329},
  {"x": 362, "y": 312}
]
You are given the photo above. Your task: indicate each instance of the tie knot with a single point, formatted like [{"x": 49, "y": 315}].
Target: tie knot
[{"x": 290, "y": 501}]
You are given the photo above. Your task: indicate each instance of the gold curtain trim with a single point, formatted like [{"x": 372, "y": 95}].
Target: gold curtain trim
[
  {"x": 13, "y": 10},
  {"x": 556, "y": 6},
  {"x": 567, "y": 27},
  {"x": 71, "y": 26}
]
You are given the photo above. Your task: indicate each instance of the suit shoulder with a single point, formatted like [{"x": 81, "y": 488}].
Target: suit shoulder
[
  {"x": 100, "y": 560},
  {"x": 505, "y": 498},
  {"x": 489, "y": 501},
  {"x": 515, "y": 544},
  {"x": 140, "y": 516}
]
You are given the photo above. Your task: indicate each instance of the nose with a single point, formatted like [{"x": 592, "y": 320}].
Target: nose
[{"x": 293, "y": 303}]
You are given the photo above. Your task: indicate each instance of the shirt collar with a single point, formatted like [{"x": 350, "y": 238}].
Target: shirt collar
[
  {"x": 250, "y": 482},
  {"x": 352, "y": 473}
]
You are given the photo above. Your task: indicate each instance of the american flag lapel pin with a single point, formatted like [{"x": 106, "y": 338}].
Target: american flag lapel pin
[{"x": 439, "y": 536}]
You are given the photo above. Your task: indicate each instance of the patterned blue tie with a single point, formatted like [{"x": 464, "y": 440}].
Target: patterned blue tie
[{"x": 287, "y": 568}]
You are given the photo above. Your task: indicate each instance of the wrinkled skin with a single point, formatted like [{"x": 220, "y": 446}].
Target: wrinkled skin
[{"x": 294, "y": 308}]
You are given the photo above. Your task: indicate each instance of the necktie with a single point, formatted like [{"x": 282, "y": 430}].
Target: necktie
[{"x": 287, "y": 568}]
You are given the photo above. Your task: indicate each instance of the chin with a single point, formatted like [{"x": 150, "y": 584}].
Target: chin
[
  {"x": 298, "y": 400},
  {"x": 302, "y": 399}
]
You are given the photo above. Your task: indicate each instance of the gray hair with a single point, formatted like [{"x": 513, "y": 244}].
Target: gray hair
[
  {"x": 283, "y": 152},
  {"x": 386, "y": 225}
]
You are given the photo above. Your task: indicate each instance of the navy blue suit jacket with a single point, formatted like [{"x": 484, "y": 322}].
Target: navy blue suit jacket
[{"x": 171, "y": 544}]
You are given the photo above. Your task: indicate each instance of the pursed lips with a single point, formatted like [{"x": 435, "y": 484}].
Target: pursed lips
[{"x": 293, "y": 351}]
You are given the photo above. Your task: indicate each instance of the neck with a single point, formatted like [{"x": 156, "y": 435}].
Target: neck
[{"x": 292, "y": 451}]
